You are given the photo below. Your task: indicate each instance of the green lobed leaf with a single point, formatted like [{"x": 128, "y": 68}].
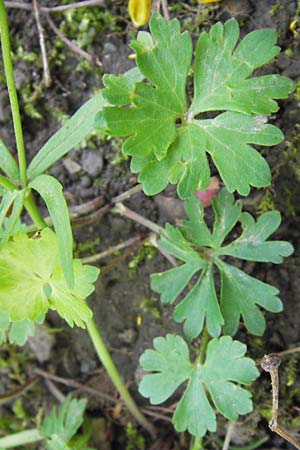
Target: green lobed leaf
[
  {"x": 63, "y": 422},
  {"x": 119, "y": 90},
  {"x": 222, "y": 71},
  {"x": 165, "y": 140},
  {"x": 227, "y": 213},
  {"x": 7, "y": 162},
  {"x": 19, "y": 331},
  {"x": 17, "y": 200},
  {"x": 51, "y": 192},
  {"x": 151, "y": 120},
  {"x": 200, "y": 303},
  {"x": 67, "y": 137},
  {"x": 241, "y": 295},
  {"x": 34, "y": 264},
  {"x": 252, "y": 245},
  {"x": 201, "y": 250},
  {"x": 6, "y": 202},
  {"x": 224, "y": 366}
]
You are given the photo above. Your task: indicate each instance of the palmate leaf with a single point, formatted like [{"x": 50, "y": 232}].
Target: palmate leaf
[
  {"x": 201, "y": 250},
  {"x": 151, "y": 122},
  {"x": 225, "y": 364},
  {"x": 222, "y": 71},
  {"x": 63, "y": 423},
  {"x": 33, "y": 264},
  {"x": 19, "y": 331},
  {"x": 166, "y": 139}
]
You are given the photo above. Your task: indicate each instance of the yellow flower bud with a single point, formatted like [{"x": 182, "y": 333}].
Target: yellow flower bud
[
  {"x": 139, "y": 11},
  {"x": 209, "y": 1}
]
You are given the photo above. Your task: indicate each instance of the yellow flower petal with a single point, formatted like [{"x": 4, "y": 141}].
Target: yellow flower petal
[
  {"x": 209, "y": 1},
  {"x": 139, "y": 11}
]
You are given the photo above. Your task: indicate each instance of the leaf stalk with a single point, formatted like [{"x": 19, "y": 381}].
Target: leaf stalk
[
  {"x": 12, "y": 92},
  {"x": 115, "y": 376}
]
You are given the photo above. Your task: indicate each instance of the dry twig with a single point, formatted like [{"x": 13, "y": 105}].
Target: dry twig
[
  {"x": 270, "y": 363},
  {"x": 77, "y": 50},
  {"x": 60, "y": 8},
  {"x": 36, "y": 9}
]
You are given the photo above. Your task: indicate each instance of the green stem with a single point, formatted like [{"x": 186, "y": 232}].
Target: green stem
[
  {"x": 33, "y": 211},
  {"x": 22, "y": 438},
  {"x": 115, "y": 376},
  {"x": 196, "y": 443},
  {"x": 7, "y": 184},
  {"x": 12, "y": 92}
]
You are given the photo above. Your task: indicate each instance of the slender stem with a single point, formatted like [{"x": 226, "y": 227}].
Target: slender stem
[
  {"x": 7, "y": 184},
  {"x": 20, "y": 439},
  {"x": 12, "y": 92},
  {"x": 34, "y": 212},
  {"x": 196, "y": 443},
  {"x": 228, "y": 436},
  {"x": 115, "y": 377}
]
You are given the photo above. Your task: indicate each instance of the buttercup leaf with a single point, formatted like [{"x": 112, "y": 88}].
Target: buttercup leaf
[
  {"x": 34, "y": 264},
  {"x": 166, "y": 138},
  {"x": 224, "y": 366},
  {"x": 252, "y": 245},
  {"x": 201, "y": 250},
  {"x": 63, "y": 422},
  {"x": 222, "y": 71},
  {"x": 241, "y": 295}
]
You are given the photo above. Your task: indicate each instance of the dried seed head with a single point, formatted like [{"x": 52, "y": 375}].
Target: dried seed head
[{"x": 270, "y": 362}]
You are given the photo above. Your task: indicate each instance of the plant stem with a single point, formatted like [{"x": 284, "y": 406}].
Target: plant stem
[
  {"x": 22, "y": 438},
  {"x": 196, "y": 444},
  {"x": 115, "y": 377},
  {"x": 34, "y": 212},
  {"x": 12, "y": 92}
]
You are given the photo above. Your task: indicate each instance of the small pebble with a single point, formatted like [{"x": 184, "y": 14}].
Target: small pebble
[
  {"x": 85, "y": 181},
  {"x": 92, "y": 162},
  {"x": 71, "y": 166}
]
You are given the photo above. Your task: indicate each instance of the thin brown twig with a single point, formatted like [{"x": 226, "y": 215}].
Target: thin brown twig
[
  {"x": 153, "y": 240},
  {"x": 289, "y": 351},
  {"x": 72, "y": 383},
  {"x": 60, "y": 8},
  {"x": 270, "y": 363},
  {"x": 119, "y": 259},
  {"x": 36, "y": 10},
  {"x": 98, "y": 256},
  {"x": 164, "y": 4},
  {"x": 77, "y": 50},
  {"x": 75, "y": 384},
  {"x": 60, "y": 397},
  {"x": 11, "y": 395},
  {"x": 157, "y": 415},
  {"x": 86, "y": 208},
  {"x": 123, "y": 211}
]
